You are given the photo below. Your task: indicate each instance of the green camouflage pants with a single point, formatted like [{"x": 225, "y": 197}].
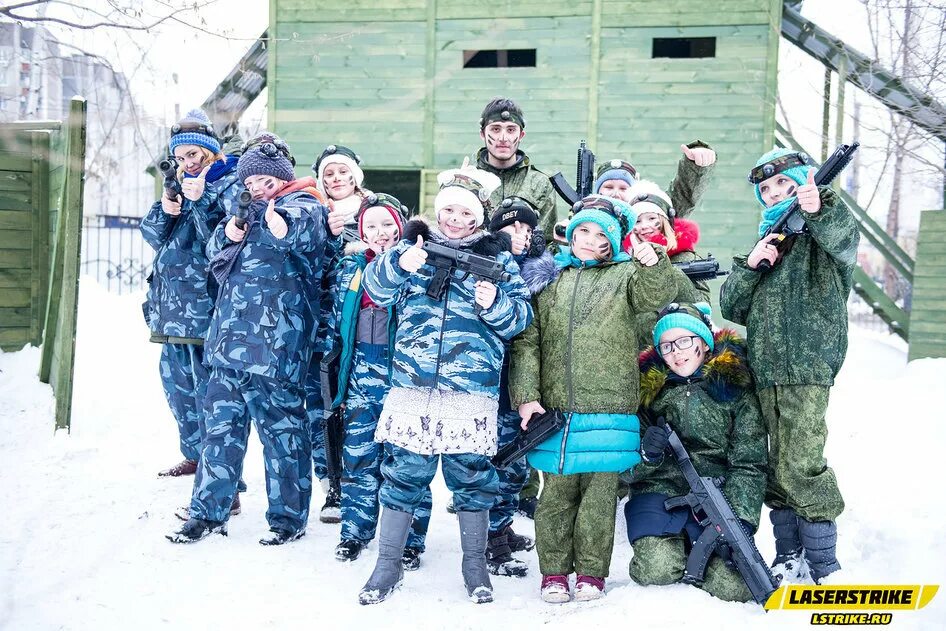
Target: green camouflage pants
[
  {"x": 574, "y": 523},
  {"x": 799, "y": 476},
  {"x": 661, "y": 561}
]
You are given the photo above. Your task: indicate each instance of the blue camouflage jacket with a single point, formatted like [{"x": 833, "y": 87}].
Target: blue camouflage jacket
[
  {"x": 445, "y": 344},
  {"x": 267, "y": 307},
  {"x": 341, "y": 326},
  {"x": 179, "y": 304}
]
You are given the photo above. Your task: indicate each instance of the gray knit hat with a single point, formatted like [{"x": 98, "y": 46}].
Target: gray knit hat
[{"x": 265, "y": 159}]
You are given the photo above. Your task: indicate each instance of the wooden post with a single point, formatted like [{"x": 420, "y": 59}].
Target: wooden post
[
  {"x": 39, "y": 226},
  {"x": 595, "y": 75},
  {"x": 826, "y": 115},
  {"x": 839, "y": 113}
]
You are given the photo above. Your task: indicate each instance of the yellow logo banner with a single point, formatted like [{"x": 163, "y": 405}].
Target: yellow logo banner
[{"x": 852, "y": 597}]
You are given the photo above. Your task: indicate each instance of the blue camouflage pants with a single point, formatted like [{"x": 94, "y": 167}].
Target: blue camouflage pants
[
  {"x": 278, "y": 410},
  {"x": 470, "y": 477},
  {"x": 315, "y": 412},
  {"x": 184, "y": 377},
  {"x": 362, "y": 456},
  {"x": 512, "y": 479}
]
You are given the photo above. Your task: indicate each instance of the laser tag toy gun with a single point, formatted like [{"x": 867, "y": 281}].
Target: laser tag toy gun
[
  {"x": 333, "y": 420},
  {"x": 792, "y": 222},
  {"x": 541, "y": 426},
  {"x": 446, "y": 260},
  {"x": 168, "y": 168},
  {"x": 243, "y": 209},
  {"x": 701, "y": 269},
  {"x": 723, "y": 532},
  {"x": 584, "y": 180}
]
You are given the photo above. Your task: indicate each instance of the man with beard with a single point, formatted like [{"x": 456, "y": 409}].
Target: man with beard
[{"x": 502, "y": 128}]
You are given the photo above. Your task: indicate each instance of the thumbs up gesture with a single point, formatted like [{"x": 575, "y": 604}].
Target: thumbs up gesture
[
  {"x": 414, "y": 257},
  {"x": 275, "y": 222},
  {"x": 643, "y": 251},
  {"x": 520, "y": 239},
  {"x": 193, "y": 187},
  {"x": 809, "y": 198}
]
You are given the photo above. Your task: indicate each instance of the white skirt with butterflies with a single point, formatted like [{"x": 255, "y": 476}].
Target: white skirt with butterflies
[{"x": 428, "y": 421}]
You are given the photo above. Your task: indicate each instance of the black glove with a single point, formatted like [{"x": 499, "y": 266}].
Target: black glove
[{"x": 654, "y": 444}]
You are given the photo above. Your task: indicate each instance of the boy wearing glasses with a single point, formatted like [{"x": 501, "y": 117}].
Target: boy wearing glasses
[
  {"x": 701, "y": 385},
  {"x": 796, "y": 319}
]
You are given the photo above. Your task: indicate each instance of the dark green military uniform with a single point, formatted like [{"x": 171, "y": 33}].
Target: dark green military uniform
[
  {"x": 716, "y": 415},
  {"x": 523, "y": 180},
  {"x": 796, "y": 319}
]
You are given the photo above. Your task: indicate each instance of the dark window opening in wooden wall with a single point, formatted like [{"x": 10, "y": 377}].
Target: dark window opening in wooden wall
[
  {"x": 508, "y": 58},
  {"x": 403, "y": 184},
  {"x": 684, "y": 47}
]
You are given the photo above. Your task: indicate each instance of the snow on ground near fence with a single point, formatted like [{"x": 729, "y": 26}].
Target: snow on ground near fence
[{"x": 83, "y": 516}]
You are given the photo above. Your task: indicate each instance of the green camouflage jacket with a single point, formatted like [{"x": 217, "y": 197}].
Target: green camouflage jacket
[
  {"x": 716, "y": 415},
  {"x": 796, "y": 315},
  {"x": 523, "y": 180},
  {"x": 577, "y": 355},
  {"x": 687, "y": 188}
]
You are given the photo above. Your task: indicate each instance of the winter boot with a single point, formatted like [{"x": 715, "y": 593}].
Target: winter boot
[
  {"x": 555, "y": 589},
  {"x": 517, "y": 542},
  {"x": 819, "y": 539},
  {"x": 349, "y": 550},
  {"x": 527, "y": 506},
  {"x": 788, "y": 566},
  {"x": 410, "y": 559},
  {"x": 184, "y": 467},
  {"x": 388, "y": 572},
  {"x": 474, "y": 530},
  {"x": 280, "y": 537},
  {"x": 196, "y": 529},
  {"x": 589, "y": 587},
  {"x": 499, "y": 559},
  {"x": 184, "y": 512},
  {"x": 331, "y": 512}
]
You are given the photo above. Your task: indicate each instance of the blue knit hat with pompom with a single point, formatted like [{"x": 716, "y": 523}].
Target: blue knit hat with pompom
[
  {"x": 191, "y": 134},
  {"x": 798, "y": 173}
]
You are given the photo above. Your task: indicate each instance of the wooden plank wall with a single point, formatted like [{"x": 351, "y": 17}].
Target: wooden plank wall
[
  {"x": 386, "y": 78},
  {"x": 928, "y": 313}
]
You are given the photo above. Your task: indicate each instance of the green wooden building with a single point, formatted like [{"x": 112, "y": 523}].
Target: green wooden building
[{"x": 403, "y": 82}]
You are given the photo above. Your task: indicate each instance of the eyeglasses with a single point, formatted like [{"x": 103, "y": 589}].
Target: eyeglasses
[{"x": 681, "y": 344}]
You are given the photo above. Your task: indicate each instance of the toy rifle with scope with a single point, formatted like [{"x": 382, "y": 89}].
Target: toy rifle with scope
[
  {"x": 168, "y": 168},
  {"x": 792, "y": 221}
]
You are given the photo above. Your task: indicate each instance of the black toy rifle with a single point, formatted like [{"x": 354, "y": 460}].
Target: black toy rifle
[
  {"x": 333, "y": 421},
  {"x": 540, "y": 427},
  {"x": 584, "y": 180},
  {"x": 243, "y": 209},
  {"x": 722, "y": 530},
  {"x": 701, "y": 269},
  {"x": 168, "y": 168},
  {"x": 792, "y": 222},
  {"x": 445, "y": 260}
]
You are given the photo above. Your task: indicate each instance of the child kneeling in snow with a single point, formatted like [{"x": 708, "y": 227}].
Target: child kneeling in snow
[
  {"x": 448, "y": 355},
  {"x": 796, "y": 321},
  {"x": 574, "y": 357},
  {"x": 701, "y": 385}
]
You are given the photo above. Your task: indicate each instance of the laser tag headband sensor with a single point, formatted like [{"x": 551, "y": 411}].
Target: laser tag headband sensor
[{"x": 778, "y": 165}]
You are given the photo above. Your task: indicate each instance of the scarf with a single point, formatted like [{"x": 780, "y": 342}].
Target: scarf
[
  {"x": 772, "y": 214},
  {"x": 219, "y": 169},
  {"x": 564, "y": 258}
]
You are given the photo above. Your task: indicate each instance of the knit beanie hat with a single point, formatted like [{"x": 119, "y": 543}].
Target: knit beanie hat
[
  {"x": 382, "y": 200},
  {"x": 798, "y": 173},
  {"x": 194, "y": 129},
  {"x": 612, "y": 215},
  {"x": 502, "y": 110},
  {"x": 268, "y": 136},
  {"x": 648, "y": 197},
  {"x": 511, "y": 210},
  {"x": 615, "y": 170},
  {"x": 265, "y": 159},
  {"x": 468, "y": 187},
  {"x": 695, "y": 318},
  {"x": 338, "y": 154}
]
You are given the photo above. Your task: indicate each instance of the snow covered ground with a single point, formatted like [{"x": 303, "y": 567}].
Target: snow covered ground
[{"x": 83, "y": 516}]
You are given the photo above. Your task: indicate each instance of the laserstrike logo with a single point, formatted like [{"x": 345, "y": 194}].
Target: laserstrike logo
[{"x": 857, "y": 604}]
